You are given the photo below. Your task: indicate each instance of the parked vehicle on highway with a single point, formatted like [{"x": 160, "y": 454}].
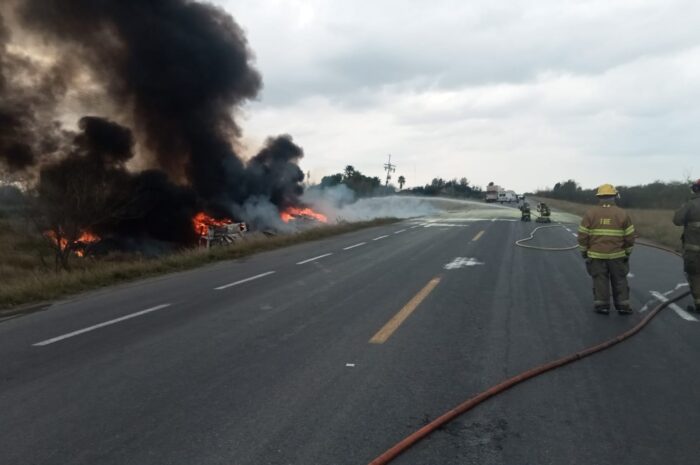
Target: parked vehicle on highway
[
  {"x": 492, "y": 192},
  {"x": 507, "y": 196}
]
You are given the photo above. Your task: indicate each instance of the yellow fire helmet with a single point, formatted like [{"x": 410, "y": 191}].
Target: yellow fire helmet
[{"x": 606, "y": 190}]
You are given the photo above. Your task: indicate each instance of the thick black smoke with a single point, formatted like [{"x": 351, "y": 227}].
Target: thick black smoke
[
  {"x": 27, "y": 96},
  {"x": 91, "y": 188},
  {"x": 274, "y": 173},
  {"x": 175, "y": 71}
]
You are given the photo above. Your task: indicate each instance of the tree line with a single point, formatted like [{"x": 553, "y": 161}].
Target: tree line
[
  {"x": 448, "y": 188},
  {"x": 365, "y": 186},
  {"x": 658, "y": 194}
]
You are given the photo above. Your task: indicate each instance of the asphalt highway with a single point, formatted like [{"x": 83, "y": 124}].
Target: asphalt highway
[{"x": 332, "y": 351}]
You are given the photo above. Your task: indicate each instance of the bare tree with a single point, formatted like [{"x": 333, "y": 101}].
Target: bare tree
[{"x": 74, "y": 198}]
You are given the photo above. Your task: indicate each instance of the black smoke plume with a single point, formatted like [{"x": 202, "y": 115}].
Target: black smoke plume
[
  {"x": 27, "y": 97},
  {"x": 173, "y": 73}
]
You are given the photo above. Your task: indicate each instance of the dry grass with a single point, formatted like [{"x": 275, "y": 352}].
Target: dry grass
[
  {"x": 654, "y": 225},
  {"x": 26, "y": 278}
]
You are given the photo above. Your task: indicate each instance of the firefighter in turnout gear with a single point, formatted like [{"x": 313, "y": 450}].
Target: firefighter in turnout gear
[
  {"x": 688, "y": 216},
  {"x": 606, "y": 238},
  {"x": 525, "y": 212}
]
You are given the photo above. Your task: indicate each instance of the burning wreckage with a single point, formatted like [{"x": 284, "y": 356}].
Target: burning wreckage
[{"x": 157, "y": 167}]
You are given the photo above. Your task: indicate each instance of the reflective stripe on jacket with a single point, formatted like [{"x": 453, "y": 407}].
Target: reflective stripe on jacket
[
  {"x": 688, "y": 216},
  {"x": 606, "y": 232}
]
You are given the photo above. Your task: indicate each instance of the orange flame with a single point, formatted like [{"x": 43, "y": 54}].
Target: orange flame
[
  {"x": 85, "y": 238},
  {"x": 292, "y": 213},
  {"x": 202, "y": 222}
]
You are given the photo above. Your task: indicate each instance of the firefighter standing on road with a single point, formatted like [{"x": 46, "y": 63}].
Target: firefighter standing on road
[
  {"x": 688, "y": 216},
  {"x": 606, "y": 238}
]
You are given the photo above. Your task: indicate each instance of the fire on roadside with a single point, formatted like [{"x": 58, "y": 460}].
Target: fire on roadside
[
  {"x": 294, "y": 213},
  {"x": 78, "y": 245},
  {"x": 202, "y": 222}
]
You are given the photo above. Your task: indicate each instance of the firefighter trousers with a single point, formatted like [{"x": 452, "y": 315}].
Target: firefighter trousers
[
  {"x": 691, "y": 265},
  {"x": 607, "y": 274}
]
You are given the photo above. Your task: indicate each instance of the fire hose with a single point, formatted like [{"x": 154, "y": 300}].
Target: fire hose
[
  {"x": 499, "y": 388},
  {"x": 520, "y": 243}
]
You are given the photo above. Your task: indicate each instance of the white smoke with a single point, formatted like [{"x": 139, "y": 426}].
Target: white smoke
[
  {"x": 338, "y": 204},
  {"x": 261, "y": 214}
]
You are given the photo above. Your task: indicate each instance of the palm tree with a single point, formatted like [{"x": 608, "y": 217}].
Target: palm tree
[{"x": 402, "y": 181}]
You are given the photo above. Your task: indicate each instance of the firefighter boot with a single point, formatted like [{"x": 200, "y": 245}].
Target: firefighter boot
[{"x": 601, "y": 309}]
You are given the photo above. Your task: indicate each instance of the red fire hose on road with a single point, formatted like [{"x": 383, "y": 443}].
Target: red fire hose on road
[{"x": 426, "y": 430}]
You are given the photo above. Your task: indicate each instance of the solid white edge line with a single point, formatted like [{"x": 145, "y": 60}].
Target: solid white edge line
[
  {"x": 313, "y": 259},
  {"x": 400, "y": 231},
  {"x": 236, "y": 283},
  {"x": 681, "y": 313},
  {"x": 380, "y": 237},
  {"x": 353, "y": 246},
  {"x": 100, "y": 325}
]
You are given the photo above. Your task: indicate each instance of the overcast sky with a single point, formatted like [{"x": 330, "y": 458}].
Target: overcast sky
[{"x": 523, "y": 93}]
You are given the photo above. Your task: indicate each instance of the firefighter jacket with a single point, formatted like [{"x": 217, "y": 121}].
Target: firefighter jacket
[
  {"x": 688, "y": 216},
  {"x": 606, "y": 232}
]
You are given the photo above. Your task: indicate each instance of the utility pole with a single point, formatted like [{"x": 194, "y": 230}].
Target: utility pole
[{"x": 389, "y": 169}]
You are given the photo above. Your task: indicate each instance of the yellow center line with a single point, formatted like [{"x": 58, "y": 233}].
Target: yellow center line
[
  {"x": 478, "y": 236},
  {"x": 393, "y": 324}
]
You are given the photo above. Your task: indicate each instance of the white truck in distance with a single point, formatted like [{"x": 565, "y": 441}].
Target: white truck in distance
[
  {"x": 507, "y": 196},
  {"x": 492, "y": 192}
]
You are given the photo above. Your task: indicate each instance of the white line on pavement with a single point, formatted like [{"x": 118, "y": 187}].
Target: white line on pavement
[
  {"x": 574, "y": 234},
  {"x": 400, "y": 231},
  {"x": 356, "y": 245},
  {"x": 236, "y": 283},
  {"x": 313, "y": 259},
  {"x": 681, "y": 313},
  {"x": 416, "y": 226},
  {"x": 678, "y": 286},
  {"x": 380, "y": 237},
  {"x": 100, "y": 325}
]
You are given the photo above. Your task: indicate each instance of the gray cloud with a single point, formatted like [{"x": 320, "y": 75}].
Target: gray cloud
[{"x": 517, "y": 83}]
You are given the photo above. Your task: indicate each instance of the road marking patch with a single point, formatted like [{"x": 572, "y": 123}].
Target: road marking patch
[
  {"x": 445, "y": 225},
  {"x": 100, "y": 325},
  {"x": 380, "y": 237},
  {"x": 252, "y": 278},
  {"x": 478, "y": 236},
  {"x": 314, "y": 258},
  {"x": 400, "y": 231},
  {"x": 392, "y": 325},
  {"x": 681, "y": 313},
  {"x": 356, "y": 245},
  {"x": 461, "y": 262}
]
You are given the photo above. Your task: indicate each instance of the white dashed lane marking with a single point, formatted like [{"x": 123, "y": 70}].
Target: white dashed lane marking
[
  {"x": 100, "y": 325},
  {"x": 314, "y": 258},
  {"x": 252, "y": 278}
]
